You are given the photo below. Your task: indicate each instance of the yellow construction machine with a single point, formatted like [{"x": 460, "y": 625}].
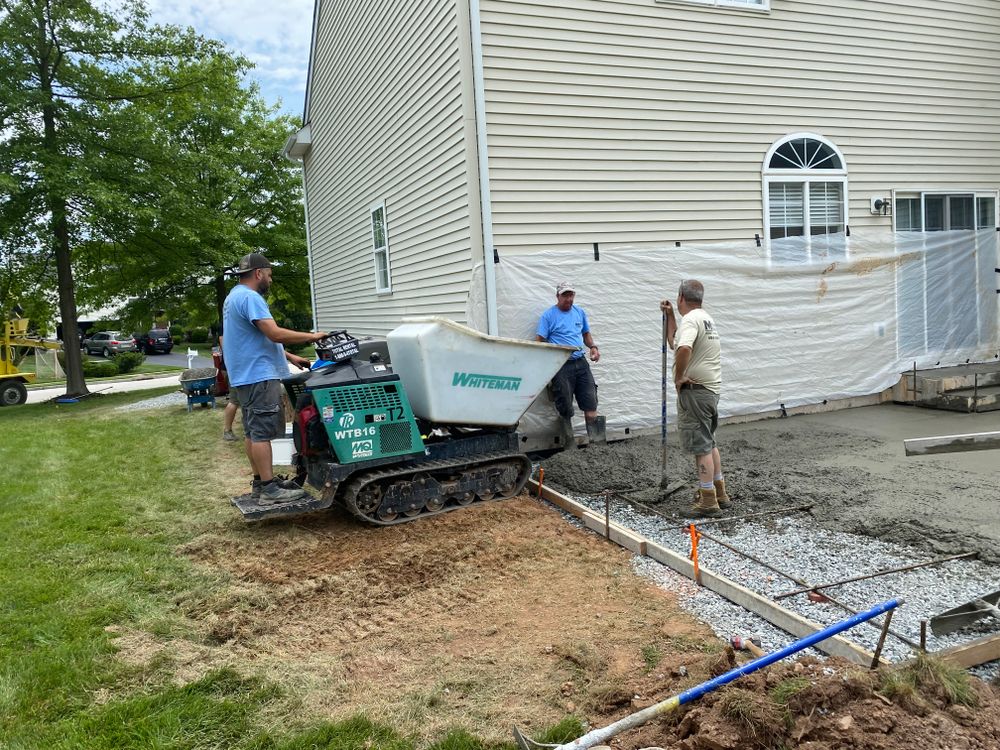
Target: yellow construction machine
[{"x": 12, "y": 380}]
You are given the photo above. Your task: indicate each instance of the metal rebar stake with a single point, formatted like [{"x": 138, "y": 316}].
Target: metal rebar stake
[
  {"x": 881, "y": 638},
  {"x": 876, "y": 574}
]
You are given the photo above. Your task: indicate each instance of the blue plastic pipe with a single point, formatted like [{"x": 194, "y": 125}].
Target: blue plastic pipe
[
  {"x": 600, "y": 736},
  {"x": 767, "y": 659}
]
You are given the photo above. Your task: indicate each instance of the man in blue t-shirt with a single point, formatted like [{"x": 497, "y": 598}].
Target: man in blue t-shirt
[
  {"x": 255, "y": 361},
  {"x": 566, "y": 324}
]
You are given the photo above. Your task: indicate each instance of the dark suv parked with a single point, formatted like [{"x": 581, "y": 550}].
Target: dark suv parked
[{"x": 157, "y": 340}]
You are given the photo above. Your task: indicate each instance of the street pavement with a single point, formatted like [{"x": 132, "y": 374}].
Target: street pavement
[{"x": 176, "y": 358}]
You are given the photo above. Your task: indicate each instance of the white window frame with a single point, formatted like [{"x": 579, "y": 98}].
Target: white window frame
[
  {"x": 380, "y": 206},
  {"x": 922, "y": 193},
  {"x": 804, "y": 176},
  {"x": 764, "y": 6}
]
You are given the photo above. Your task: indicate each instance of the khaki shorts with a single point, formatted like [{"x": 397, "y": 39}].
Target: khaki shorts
[
  {"x": 233, "y": 397},
  {"x": 262, "y": 409},
  {"x": 697, "y": 419}
]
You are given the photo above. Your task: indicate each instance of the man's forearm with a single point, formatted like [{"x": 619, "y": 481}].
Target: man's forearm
[
  {"x": 681, "y": 362},
  {"x": 288, "y": 336},
  {"x": 588, "y": 340},
  {"x": 671, "y": 330}
]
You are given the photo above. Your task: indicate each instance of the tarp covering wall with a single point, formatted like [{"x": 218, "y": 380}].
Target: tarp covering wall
[{"x": 812, "y": 320}]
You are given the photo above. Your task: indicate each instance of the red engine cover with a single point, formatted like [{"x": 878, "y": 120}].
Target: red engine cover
[{"x": 301, "y": 434}]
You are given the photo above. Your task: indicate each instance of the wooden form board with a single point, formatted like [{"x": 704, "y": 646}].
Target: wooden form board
[
  {"x": 973, "y": 654},
  {"x": 774, "y": 613},
  {"x": 973, "y": 441}
]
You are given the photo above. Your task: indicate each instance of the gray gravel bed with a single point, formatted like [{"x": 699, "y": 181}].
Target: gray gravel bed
[
  {"x": 815, "y": 555},
  {"x": 177, "y": 398}
]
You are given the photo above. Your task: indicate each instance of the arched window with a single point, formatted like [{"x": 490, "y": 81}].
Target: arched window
[{"x": 805, "y": 187}]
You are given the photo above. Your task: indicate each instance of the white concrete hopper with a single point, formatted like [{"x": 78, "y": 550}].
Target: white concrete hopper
[{"x": 456, "y": 375}]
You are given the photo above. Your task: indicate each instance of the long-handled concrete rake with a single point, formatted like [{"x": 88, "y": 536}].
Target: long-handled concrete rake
[
  {"x": 664, "y": 480},
  {"x": 599, "y": 736}
]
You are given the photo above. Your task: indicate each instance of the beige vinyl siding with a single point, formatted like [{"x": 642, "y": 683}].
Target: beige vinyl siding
[
  {"x": 621, "y": 121},
  {"x": 385, "y": 107}
]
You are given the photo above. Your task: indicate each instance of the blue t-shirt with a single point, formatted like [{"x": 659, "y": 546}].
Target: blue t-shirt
[
  {"x": 565, "y": 328},
  {"x": 251, "y": 357}
]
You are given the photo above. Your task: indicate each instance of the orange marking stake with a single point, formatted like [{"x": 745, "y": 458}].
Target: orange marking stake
[
  {"x": 695, "y": 536},
  {"x": 541, "y": 479}
]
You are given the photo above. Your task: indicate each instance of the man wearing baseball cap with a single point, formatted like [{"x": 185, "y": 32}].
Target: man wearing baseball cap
[
  {"x": 255, "y": 360},
  {"x": 566, "y": 324}
]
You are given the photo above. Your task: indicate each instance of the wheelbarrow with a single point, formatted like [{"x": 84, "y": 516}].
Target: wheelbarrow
[{"x": 199, "y": 386}]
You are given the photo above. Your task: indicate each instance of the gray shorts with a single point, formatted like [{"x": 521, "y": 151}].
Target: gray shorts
[
  {"x": 697, "y": 419},
  {"x": 263, "y": 412},
  {"x": 574, "y": 380}
]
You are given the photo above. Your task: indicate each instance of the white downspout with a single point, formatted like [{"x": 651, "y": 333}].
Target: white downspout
[
  {"x": 309, "y": 254},
  {"x": 479, "y": 91}
]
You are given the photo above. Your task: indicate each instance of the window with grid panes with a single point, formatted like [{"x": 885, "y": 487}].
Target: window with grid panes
[
  {"x": 805, "y": 179},
  {"x": 380, "y": 248},
  {"x": 939, "y": 212}
]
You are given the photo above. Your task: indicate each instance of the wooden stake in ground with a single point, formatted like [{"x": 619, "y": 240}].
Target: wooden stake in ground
[{"x": 663, "y": 404}]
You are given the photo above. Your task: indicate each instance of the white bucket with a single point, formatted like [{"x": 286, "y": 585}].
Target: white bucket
[
  {"x": 456, "y": 375},
  {"x": 282, "y": 449}
]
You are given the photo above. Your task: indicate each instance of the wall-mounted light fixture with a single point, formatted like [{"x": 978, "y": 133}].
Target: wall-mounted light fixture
[{"x": 881, "y": 206}]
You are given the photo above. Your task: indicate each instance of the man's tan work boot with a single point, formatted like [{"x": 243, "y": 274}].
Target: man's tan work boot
[
  {"x": 721, "y": 496},
  {"x": 705, "y": 505}
]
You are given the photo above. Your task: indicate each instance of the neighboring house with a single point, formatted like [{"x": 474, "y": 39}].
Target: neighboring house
[{"x": 438, "y": 130}]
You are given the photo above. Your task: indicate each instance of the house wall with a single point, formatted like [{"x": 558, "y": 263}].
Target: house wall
[
  {"x": 389, "y": 121},
  {"x": 636, "y": 121}
]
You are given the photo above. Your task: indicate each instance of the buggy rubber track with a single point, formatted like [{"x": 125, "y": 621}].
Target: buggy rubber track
[{"x": 407, "y": 493}]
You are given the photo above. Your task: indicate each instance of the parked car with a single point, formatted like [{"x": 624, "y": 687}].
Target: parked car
[
  {"x": 108, "y": 343},
  {"x": 157, "y": 340}
]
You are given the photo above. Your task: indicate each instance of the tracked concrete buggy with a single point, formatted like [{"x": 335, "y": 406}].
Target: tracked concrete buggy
[{"x": 422, "y": 423}]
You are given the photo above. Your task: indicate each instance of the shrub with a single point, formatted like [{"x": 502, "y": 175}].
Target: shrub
[
  {"x": 177, "y": 333},
  {"x": 198, "y": 335},
  {"x": 128, "y": 361},
  {"x": 95, "y": 369}
]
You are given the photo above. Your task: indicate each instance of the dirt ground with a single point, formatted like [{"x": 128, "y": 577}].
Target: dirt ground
[
  {"x": 478, "y": 618},
  {"x": 850, "y": 464},
  {"x": 830, "y": 705},
  {"x": 504, "y": 613}
]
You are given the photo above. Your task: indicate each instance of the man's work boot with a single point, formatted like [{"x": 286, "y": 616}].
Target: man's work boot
[
  {"x": 705, "y": 505},
  {"x": 229, "y": 436},
  {"x": 596, "y": 431},
  {"x": 284, "y": 482},
  {"x": 275, "y": 494},
  {"x": 721, "y": 495},
  {"x": 569, "y": 439}
]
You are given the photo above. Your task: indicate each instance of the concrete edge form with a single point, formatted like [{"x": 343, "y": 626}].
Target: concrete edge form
[
  {"x": 973, "y": 441},
  {"x": 972, "y": 654},
  {"x": 777, "y": 615}
]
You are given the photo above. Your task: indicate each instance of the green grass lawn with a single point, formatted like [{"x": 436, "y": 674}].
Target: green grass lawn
[{"x": 93, "y": 507}]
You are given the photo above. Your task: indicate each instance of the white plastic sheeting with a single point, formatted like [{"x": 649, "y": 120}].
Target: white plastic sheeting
[{"x": 813, "y": 319}]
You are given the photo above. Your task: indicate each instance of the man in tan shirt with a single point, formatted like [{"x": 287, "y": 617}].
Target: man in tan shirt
[{"x": 698, "y": 380}]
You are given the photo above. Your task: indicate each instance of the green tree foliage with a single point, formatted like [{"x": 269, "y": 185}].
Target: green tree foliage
[
  {"x": 71, "y": 78},
  {"x": 229, "y": 192},
  {"x": 132, "y": 163}
]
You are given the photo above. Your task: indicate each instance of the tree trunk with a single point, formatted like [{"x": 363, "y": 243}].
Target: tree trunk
[
  {"x": 76, "y": 385},
  {"x": 220, "y": 298}
]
